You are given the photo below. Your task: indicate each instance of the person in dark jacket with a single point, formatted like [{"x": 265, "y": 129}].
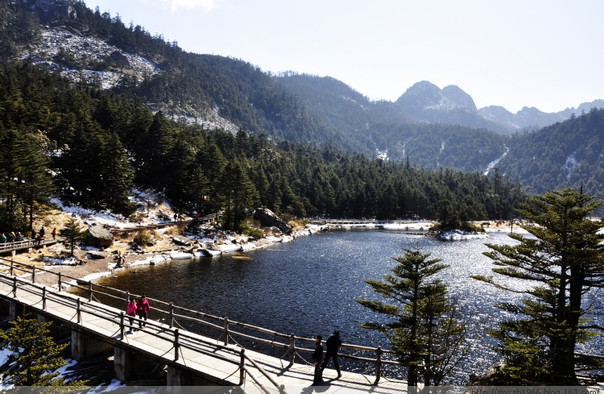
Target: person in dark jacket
[
  {"x": 333, "y": 346},
  {"x": 317, "y": 357}
]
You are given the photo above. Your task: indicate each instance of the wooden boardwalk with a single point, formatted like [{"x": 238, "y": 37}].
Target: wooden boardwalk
[
  {"x": 219, "y": 362},
  {"x": 9, "y": 247}
]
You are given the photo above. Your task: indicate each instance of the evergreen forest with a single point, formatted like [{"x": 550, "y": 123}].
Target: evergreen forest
[{"x": 91, "y": 148}]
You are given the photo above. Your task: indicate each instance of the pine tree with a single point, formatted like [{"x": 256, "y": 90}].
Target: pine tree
[
  {"x": 212, "y": 164},
  {"x": 154, "y": 153},
  {"x": 116, "y": 177},
  {"x": 424, "y": 334},
  {"x": 73, "y": 233},
  {"x": 35, "y": 184},
  {"x": 24, "y": 180},
  {"x": 35, "y": 354},
  {"x": 239, "y": 193},
  {"x": 564, "y": 256}
]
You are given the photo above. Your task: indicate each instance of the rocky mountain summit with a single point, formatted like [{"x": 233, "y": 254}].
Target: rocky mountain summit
[{"x": 426, "y": 102}]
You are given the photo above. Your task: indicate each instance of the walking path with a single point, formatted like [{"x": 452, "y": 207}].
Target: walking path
[{"x": 179, "y": 348}]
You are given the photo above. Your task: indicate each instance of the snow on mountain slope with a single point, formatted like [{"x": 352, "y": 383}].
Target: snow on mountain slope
[{"x": 94, "y": 61}]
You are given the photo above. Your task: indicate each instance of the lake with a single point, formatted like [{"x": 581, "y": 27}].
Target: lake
[{"x": 309, "y": 286}]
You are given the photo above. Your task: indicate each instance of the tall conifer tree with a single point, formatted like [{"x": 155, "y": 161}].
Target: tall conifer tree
[
  {"x": 561, "y": 260},
  {"x": 424, "y": 332}
]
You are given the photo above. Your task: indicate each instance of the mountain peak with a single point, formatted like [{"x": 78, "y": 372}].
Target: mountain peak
[
  {"x": 456, "y": 95},
  {"x": 425, "y": 95}
]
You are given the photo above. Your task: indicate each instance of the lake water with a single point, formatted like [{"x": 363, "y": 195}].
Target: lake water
[{"x": 309, "y": 286}]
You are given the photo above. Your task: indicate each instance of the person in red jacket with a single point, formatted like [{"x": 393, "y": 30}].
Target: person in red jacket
[
  {"x": 131, "y": 309},
  {"x": 143, "y": 311}
]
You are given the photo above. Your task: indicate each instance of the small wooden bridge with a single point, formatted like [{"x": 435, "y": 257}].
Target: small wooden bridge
[
  {"x": 29, "y": 244},
  {"x": 194, "y": 347}
]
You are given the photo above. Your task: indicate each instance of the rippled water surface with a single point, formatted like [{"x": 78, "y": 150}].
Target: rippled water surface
[{"x": 309, "y": 286}]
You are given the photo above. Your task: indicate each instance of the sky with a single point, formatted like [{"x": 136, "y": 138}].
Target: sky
[{"x": 547, "y": 54}]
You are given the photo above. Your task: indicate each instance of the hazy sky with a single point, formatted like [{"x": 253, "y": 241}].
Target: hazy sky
[{"x": 547, "y": 54}]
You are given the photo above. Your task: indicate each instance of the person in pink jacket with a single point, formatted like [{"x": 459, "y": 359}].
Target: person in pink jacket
[
  {"x": 143, "y": 311},
  {"x": 131, "y": 312}
]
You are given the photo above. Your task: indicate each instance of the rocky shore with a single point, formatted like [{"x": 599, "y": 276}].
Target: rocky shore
[
  {"x": 169, "y": 240},
  {"x": 166, "y": 244}
]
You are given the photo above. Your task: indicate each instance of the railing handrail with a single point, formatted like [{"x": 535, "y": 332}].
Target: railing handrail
[
  {"x": 17, "y": 244},
  {"x": 112, "y": 314},
  {"x": 179, "y": 339},
  {"x": 220, "y": 323},
  {"x": 24, "y": 243}
]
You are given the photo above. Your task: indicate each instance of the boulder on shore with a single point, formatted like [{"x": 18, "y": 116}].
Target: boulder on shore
[
  {"x": 96, "y": 255},
  {"x": 99, "y": 237},
  {"x": 182, "y": 241},
  {"x": 267, "y": 218}
]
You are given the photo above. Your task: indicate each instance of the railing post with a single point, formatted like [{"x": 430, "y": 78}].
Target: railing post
[
  {"x": 78, "y": 311},
  {"x": 33, "y": 274},
  {"x": 12, "y": 263},
  {"x": 176, "y": 344},
  {"x": 44, "y": 298},
  {"x": 127, "y": 297},
  {"x": 378, "y": 365},
  {"x": 171, "y": 315},
  {"x": 60, "y": 284},
  {"x": 242, "y": 367},
  {"x": 14, "y": 286},
  {"x": 122, "y": 324},
  {"x": 89, "y": 290},
  {"x": 292, "y": 350},
  {"x": 226, "y": 331}
]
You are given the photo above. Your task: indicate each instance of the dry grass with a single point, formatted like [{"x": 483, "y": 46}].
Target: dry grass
[{"x": 122, "y": 244}]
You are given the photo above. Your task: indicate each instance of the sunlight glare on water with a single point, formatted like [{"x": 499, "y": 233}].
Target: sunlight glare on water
[{"x": 309, "y": 286}]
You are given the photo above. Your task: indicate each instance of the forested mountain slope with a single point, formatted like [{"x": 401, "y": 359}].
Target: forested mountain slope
[
  {"x": 92, "y": 149},
  {"x": 96, "y": 50},
  {"x": 569, "y": 153}
]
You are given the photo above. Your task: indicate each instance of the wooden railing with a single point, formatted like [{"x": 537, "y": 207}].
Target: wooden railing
[
  {"x": 219, "y": 328},
  {"x": 27, "y": 243},
  {"x": 24, "y": 244},
  {"x": 180, "y": 339}
]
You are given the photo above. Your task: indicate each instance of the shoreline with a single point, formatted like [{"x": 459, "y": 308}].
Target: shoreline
[
  {"x": 170, "y": 250},
  {"x": 93, "y": 268}
]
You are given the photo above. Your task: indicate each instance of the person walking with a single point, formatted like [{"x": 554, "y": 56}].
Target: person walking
[
  {"x": 131, "y": 309},
  {"x": 317, "y": 357},
  {"x": 143, "y": 311},
  {"x": 333, "y": 346}
]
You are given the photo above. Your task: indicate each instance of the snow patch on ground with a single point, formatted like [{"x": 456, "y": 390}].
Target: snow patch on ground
[
  {"x": 458, "y": 235},
  {"x": 152, "y": 204},
  {"x": 417, "y": 226}
]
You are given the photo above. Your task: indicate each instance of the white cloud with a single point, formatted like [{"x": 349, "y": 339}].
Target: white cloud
[{"x": 208, "y": 5}]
